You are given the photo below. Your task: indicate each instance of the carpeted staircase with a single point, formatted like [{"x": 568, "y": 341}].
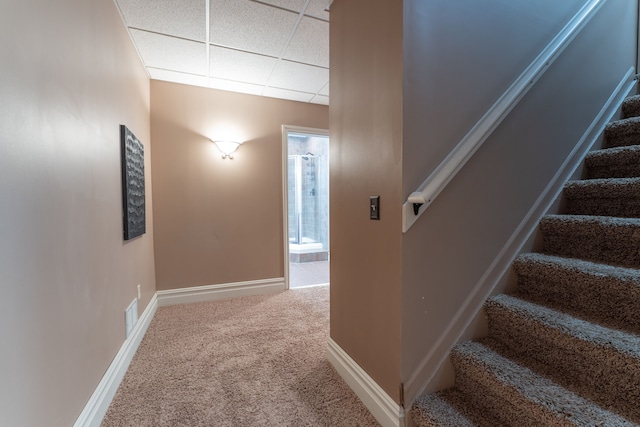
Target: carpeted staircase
[{"x": 564, "y": 350}]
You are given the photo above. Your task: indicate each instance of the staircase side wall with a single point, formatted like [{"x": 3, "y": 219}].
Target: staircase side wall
[{"x": 459, "y": 57}]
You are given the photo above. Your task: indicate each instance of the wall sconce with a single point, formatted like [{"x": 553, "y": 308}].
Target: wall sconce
[{"x": 227, "y": 148}]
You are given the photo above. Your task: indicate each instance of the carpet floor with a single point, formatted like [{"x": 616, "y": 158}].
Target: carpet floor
[{"x": 249, "y": 361}]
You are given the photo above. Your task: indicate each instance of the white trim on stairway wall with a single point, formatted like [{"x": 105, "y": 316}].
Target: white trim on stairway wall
[
  {"x": 378, "y": 402},
  {"x": 222, "y": 291},
  {"x": 97, "y": 406},
  {"x": 420, "y": 378}
]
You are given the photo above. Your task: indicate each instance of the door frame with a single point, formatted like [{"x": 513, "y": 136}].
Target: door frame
[{"x": 286, "y": 129}]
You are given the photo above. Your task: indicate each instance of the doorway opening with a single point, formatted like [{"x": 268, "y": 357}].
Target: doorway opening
[{"x": 306, "y": 197}]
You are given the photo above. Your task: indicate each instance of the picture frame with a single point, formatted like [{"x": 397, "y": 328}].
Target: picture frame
[{"x": 133, "y": 185}]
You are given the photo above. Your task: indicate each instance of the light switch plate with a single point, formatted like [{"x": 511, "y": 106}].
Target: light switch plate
[{"x": 374, "y": 207}]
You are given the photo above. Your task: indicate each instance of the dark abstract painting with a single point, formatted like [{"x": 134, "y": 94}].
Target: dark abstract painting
[{"x": 132, "y": 152}]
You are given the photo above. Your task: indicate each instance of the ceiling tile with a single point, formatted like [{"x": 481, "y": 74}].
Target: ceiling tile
[
  {"x": 294, "y": 5},
  {"x": 310, "y": 43},
  {"x": 320, "y": 99},
  {"x": 325, "y": 90},
  {"x": 250, "y": 26},
  {"x": 288, "y": 94},
  {"x": 299, "y": 77},
  {"x": 234, "y": 86},
  {"x": 246, "y": 67},
  {"x": 184, "y": 18},
  {"x": 317, "y": 8},
  {"x": 170, "y": 53},
  {"x": 172, "y": 76}
]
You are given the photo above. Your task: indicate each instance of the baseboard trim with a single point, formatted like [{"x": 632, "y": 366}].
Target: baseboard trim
[
  {"x": 434, "y": 359},
  {"x": 222, "y": 291},
  {"x": 378, "y": 402},
  {"x": 97, "y": 406}
]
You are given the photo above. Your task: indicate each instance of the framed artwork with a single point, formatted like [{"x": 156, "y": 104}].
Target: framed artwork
[{"x": 133, "y": 205}]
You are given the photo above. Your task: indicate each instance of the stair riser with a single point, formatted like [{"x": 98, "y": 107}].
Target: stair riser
[
  {"x": 614, "y": 170},
  {"x": 435, "y": 411},
  {"x": 622, "y": 162},
  {"x": 622, "y": 207},
  {"x": 622, "y": 133},
  {"x": 631, "y": 107},
  {"x": 498, "y": 399},
  {"x": 594, "y": 242},
  {"x": 617, "y": 302},
  {"x": 602, "y": 374}
]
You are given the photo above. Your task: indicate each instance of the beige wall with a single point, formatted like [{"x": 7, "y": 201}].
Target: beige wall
[
  {"x": 460, "y": 56},
  {"x": 219, "y": 221},
  {"x": 366, "y": 159},
  {"x": 69, "y": 78}
]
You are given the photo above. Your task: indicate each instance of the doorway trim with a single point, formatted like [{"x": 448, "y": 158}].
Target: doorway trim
[{"x": 286, "y": 129}]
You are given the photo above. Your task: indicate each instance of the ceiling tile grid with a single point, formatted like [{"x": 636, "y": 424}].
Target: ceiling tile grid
[
  {"x": 310, "y": 43},
  {"x": 170, "y": 53},
  {"x": 275, "y": 48},
  {"x": 185, "y": 19},
  {"x": 242, "y": 66}
]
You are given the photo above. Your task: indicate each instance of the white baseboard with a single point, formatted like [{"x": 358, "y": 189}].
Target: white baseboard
[
  {"x": 471, "y": 307},
  {"x": 98, "y": 404},
  {"x": 222, "y": 291},
  {"x": 382, "y": 407}
]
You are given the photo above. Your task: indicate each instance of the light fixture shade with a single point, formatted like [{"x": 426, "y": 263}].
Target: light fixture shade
[{"x": 227, "y": 148}]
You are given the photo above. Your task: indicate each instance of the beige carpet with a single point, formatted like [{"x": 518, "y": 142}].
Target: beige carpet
[{"x": 250, "y": 361}]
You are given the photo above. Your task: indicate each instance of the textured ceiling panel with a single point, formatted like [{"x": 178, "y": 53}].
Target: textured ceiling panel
[
  {"x": 310, "y": 43},
  {"x": 294, "y": 5},
  {"x": 277, "y": 48},
  {"x": 250, "y": 26},
  {"x": 170, "y": 53},
  {"x": 299, "y": 77},
  {"x": 233, "y": 86},
  {"x": 242, "y": 66},
  {"x": 320, "y": 99},
  {"x": 325, "y": 90},
  {"x": 180, "y": 18},
  {"x": 317, "y": 8},
  {"x": 172, "y": 76},
  {"x": 287, "y": 94}
]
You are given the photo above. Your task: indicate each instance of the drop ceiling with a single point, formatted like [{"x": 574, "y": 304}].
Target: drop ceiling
[{"x": 274, "y": 48}]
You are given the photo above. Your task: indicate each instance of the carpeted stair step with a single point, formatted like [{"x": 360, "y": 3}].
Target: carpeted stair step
[
  {"x": 623, "y": 132},
  {"x": 601, "y": 364},
  {"x": 518, "y": 396},
  {"x": 619, "y": 162},
  {"x": 449, "y": 408},
  {"x": 631, "y": 106},
  {"x": 619, "y": 197},
  {"x": 595, "y": 238},
  {"x": 597, "y": 292}
]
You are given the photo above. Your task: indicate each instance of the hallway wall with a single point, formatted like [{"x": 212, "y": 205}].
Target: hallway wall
[
  {"x": 219, "y": 220},
  {"x": 69, "y": 78}
]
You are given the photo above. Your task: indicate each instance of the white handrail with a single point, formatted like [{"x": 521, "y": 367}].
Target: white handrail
[{"x": 419, "y": 200}]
